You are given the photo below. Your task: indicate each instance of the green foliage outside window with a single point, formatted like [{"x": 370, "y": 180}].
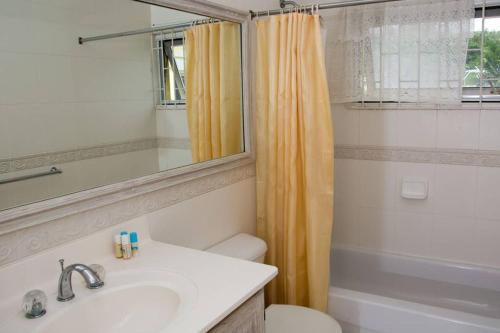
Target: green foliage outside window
[{"x": 491, "y": 56}]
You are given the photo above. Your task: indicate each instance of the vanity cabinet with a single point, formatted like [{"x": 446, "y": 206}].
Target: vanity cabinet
[{"x": 248, "y": 318}]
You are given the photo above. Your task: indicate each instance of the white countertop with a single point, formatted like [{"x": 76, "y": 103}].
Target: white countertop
[{"x": 222, "y": 283}]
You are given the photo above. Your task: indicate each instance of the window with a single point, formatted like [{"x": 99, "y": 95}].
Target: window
[
  {"x": 482, "y": 70},
  {"x": 171, "y": 81}
]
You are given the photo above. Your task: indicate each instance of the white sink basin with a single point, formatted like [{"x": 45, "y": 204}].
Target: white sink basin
[
  {"x": 145, "y": 308},
  {"x": 134, "y": 301}
]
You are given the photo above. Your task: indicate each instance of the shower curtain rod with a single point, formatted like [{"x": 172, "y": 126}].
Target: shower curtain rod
[
  {"x": 321, "y": 6},
  {"x": 170, "y": 28}
]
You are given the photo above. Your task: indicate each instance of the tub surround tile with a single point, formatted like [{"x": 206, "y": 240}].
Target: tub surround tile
[
  {"x": 346, "y": 229},
  {"x": 455, "y": 239},
  {"x": 347, "y": 181},
  {"x": 417, "y": 129},
  {"x": 489, "y": 138},
  {"x": 412, "y": 236},
  {"x": 376, "y": 229},
  {"x": 378, "y": 184},
  {"x": 488, "y": 193},
  {"x": 459, "y": 221},
  {"x": 379, "y": 128},
  {"x": 458, "y": 151},
  {"x": 458, "y": 129},
  {"x": 346, "y": 125},
  {"x": 455, "y": 190}
]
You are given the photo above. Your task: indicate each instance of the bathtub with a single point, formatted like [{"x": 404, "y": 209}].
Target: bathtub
[{"x": 378, "y": 292}]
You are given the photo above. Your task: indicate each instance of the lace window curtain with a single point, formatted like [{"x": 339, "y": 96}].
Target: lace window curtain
[{"x": 411, "y": 51}]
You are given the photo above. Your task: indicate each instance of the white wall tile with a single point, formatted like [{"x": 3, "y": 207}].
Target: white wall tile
[
  {"x": 417, "y": 128},
  {"x": 27, "y": 130},
  {"x": 378, "y": 128},
  {"x": 376, "y": 229},
  {"x": 458, "y": 129},
  {"x": 347, "y": 182},
  {"x": 18, "y": 78},
  {"x": 488, "y": 236},
  {"x": 488, "y": 193},
  {"x": 346, "y": 125},
  {"x": 454, "y": 238},
  {"x": 455, "y": 190},
  {"x": 417, "y": 170},
  {"x": 377, "y": 183},
  {"x": 413, "y": 234},
  {"x": 345, "y": 225},
  {"x": 172, "y": 124},
  {"x": 490, "y": 130}
]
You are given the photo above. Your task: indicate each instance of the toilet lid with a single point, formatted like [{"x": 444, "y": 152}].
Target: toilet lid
[{"x": 297, "y": 319}]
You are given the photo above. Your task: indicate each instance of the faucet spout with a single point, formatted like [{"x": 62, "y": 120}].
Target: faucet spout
[{"x": 65, "y": 289}]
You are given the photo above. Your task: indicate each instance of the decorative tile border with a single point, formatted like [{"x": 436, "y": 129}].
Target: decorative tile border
[
  {"x": 31, "y": 240},
  {"x": 73, "y": 155},
  {"x": 468, "y": 157},
  {"x": 176, "y": 143}
]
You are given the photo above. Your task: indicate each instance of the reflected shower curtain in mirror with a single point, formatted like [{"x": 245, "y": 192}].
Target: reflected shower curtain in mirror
[
  {"x": 294, "y": 158},
  {"x": 213, "y": 90}
]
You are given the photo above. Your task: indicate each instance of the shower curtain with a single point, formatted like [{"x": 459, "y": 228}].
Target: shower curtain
[
  {"x": 213, "y": 90},
  {"x": 294, "y": 158}
]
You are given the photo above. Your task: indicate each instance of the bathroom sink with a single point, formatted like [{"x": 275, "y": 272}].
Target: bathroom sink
[
  {"x": 130, "y": 302},
  {"x": 133, "y": 309}
]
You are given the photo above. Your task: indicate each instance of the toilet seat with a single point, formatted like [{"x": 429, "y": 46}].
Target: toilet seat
[{"x": 298, "y": 319}]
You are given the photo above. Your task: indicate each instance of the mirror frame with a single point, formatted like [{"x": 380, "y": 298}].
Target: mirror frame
[{"x": 36, "y": 213}]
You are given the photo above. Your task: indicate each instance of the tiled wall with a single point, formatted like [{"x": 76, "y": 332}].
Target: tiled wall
[
  {"x": 57, "y": 95},
  {"x": 173, "y": 124},
  {"x": 459, "y": 221}
]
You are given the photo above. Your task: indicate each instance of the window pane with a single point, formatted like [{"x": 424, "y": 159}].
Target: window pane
[
  {"x": 491, "y": 56},
  {"x": 490, "y": 72}
]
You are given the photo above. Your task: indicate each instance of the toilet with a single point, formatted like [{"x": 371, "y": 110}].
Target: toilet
[{"x": 279, "y": 318}]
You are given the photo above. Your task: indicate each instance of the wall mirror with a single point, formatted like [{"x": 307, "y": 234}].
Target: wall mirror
[{"x": 94, "y": 93}]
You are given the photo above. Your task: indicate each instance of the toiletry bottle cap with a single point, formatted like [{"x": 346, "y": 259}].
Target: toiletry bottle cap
[
  {"x": 133, "y": 237},
  {"x": 123, "y": 233},
  {"x": 118, "y": 238},
  {"x": 125, "y": 239}
]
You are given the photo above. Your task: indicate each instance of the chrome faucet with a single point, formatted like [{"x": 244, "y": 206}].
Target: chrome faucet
[{"x": 64, "y": 288}]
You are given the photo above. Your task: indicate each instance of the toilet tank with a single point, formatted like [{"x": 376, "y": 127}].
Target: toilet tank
[{"x": 241, "y": 246}]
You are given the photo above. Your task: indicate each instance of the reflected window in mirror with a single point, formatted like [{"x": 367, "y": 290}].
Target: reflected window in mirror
[{"x": 171, "y": 74}]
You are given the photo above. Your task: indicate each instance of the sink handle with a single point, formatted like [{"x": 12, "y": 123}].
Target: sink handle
[{"x": 34, "y": 304}]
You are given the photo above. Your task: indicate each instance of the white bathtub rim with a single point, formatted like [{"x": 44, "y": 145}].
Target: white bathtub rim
[
  {"x": 433, "y": 315},
  {"x": 442, "y": 270}
]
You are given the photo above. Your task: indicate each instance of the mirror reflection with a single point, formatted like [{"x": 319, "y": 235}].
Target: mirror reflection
[{"x": 97, "y": 92}]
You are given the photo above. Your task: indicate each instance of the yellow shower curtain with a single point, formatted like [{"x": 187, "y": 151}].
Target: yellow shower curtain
[
  {"x": 294, "y": 158},
  {"x": 213, "y": 90}
]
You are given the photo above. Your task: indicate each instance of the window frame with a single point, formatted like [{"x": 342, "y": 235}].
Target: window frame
[{"x": 160, "y": 44}]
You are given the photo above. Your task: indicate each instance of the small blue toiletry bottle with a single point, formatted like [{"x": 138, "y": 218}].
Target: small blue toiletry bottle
[{"x": 134, "y": 241}]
